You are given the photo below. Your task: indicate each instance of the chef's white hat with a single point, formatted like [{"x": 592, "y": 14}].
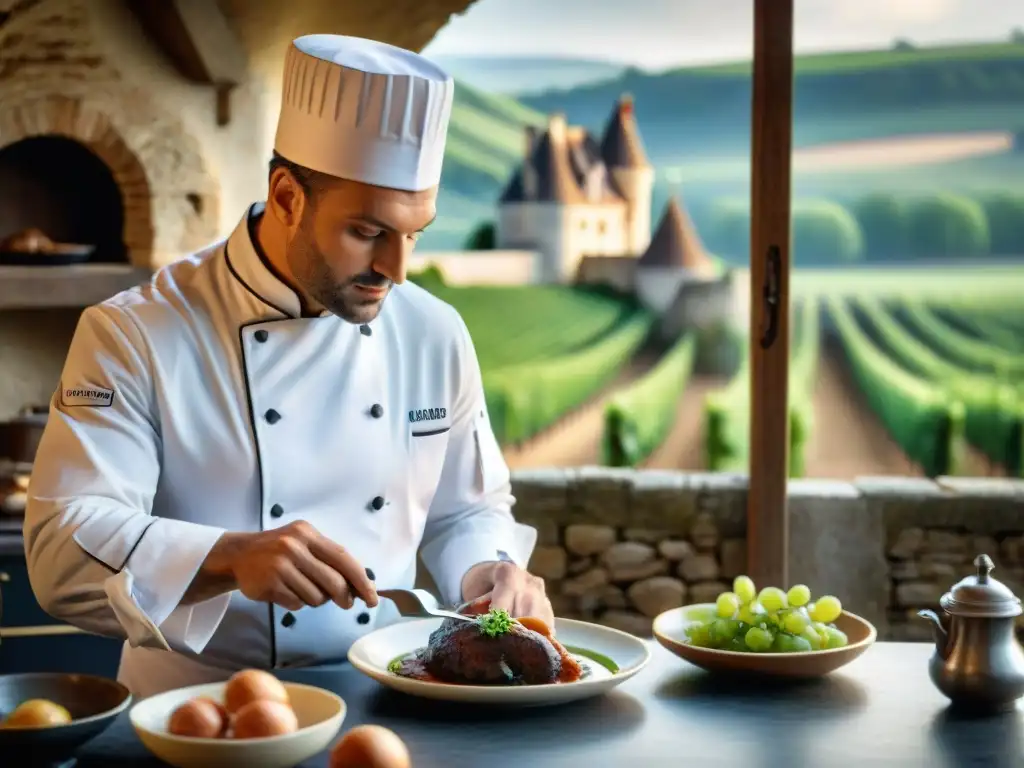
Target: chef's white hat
[{"x": 363, "y": 110}]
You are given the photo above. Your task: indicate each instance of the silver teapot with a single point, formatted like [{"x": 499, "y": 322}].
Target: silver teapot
[{"x": 978, "y": 663}]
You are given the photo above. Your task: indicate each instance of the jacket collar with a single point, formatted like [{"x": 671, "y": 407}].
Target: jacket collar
[{"x": 249, "y": 265}]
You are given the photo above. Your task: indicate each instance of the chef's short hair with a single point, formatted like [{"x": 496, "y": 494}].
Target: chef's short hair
[{"x": 311, "y": 181}]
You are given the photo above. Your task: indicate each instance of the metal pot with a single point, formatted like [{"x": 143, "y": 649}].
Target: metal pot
[{"x": 19, "y": 438}]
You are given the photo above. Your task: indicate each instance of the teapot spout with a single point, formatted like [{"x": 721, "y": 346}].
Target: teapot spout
[{"x": 938, "y": 632}]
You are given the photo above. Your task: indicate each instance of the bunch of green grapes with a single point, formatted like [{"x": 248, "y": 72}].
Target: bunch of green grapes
[{"x": 772, "y": 621}]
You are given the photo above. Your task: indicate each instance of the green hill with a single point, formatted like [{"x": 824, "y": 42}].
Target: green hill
[
  {"x": 838, "y": 96},
  {"x": 703, "y": 114}
]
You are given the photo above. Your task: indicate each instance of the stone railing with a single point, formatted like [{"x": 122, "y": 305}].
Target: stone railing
[{"x": 618, "y": 546}]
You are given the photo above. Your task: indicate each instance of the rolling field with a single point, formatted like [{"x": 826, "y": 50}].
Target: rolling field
[{"x": 900, "y": 371}]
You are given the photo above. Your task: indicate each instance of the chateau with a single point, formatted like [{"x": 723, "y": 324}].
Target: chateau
[{"x": 585, "y": 207}]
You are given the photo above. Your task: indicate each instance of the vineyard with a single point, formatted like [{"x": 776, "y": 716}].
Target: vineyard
[{"x": 935, "y": 386}]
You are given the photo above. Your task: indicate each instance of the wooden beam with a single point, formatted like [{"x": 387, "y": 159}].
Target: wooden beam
[
  {"x": 771, "y": 158},
  {"x": 196, "y": 37}
]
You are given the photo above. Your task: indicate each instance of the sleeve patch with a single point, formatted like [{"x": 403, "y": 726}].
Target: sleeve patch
[{"x": 96, "y": 397}]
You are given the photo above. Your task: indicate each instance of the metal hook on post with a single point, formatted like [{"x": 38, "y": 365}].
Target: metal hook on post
[{"x": 770, "y": 296}]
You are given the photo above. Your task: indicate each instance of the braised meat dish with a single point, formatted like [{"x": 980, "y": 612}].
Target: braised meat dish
[{"x": 492, "y": 650}]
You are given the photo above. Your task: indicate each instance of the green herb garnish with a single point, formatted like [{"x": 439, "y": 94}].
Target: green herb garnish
[
  {"x": 395, "y": 666},
  {"x": 495, "y": 622}
]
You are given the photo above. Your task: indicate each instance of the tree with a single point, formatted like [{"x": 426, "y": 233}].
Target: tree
[
  {"x": 947, "y": 226},
  {"x": 824, "y": 232},
  {"x": 1004, "y": 214},
  {"x": 883, "y": 220},
  {"x": 482, "y": 238}
]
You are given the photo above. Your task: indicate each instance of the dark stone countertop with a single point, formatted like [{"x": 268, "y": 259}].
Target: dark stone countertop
[{"x": 879, "y": 711}]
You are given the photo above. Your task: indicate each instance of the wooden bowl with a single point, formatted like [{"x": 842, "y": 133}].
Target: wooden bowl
[
  {"x": 320, "y": 714},
  {"x": 94, "y": 703},
  {"x": 670, "y": 631}
]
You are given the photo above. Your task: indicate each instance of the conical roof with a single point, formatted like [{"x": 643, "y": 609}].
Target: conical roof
[
  {"x": 621, "y": 145},
  {"x": 676, "y": 244}
]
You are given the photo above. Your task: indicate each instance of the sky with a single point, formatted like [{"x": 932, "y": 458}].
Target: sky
[{"x": 656, "y": 34}]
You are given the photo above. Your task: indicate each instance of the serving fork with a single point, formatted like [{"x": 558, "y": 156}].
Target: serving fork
[{"x": 418, "y": 603}]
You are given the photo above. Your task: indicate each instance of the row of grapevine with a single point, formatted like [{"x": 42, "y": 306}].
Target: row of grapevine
[
  {"x": 1000, "y": 331},
  {"x": 921, "y": 416},
  {"x": 639, "y": 418},
  {"x": 994, "y": 415},
  {"x": 525, "y": 399},
  {"x": 974, "y": 355},
  {"x": 512, "y": 325},
  {"x": 727, "y": 412}
]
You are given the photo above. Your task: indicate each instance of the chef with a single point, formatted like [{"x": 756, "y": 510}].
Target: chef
[{"x": 241, "y": 450}]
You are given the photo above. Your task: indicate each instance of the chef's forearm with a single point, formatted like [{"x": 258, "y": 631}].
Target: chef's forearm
[{"x": 216, "y": 575}]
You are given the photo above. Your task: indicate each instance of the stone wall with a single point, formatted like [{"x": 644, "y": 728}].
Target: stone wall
[{"x": 618, "y": 547}]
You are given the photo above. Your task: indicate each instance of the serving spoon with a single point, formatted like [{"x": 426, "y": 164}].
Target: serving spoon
[{"x": 418, "y": 603}]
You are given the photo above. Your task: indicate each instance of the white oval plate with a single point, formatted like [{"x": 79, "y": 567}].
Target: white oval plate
[{"x": 372, "y": 653}]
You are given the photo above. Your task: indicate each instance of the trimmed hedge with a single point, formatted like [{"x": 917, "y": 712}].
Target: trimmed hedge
[
  {"x": 824, "y": 232},
  {"x": 639, "y": 418},
  {"x": 523, "y": 400},
  {"x": 883, "y": 220},
  {"x": 921, "y": 417},
  {"x": 727, "y": 412},
  {"x": 1004, "y": 212},
  {"x": 994, "y": 416},
  {"x": 947, "y": 226},
  {"x": 970, "y": 354}
]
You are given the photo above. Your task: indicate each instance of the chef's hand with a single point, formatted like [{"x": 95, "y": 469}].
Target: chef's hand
[
  {"x": 510, "y": 587},
  {"x": 292, "y": 566}
]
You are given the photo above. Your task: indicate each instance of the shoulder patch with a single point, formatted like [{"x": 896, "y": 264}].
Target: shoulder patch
[{"x": 96, "y": 397}]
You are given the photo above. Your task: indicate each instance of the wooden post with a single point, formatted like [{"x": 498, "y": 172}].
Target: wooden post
[{"x": 771, "y": 158}]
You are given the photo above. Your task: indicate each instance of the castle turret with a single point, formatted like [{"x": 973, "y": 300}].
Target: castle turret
[{"x": 623, "y": 153}]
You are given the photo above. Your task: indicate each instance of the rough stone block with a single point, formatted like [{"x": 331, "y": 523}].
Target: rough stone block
[
  {"x": 734, "y": 558},
  {"x": 661, "y": 500},
  {"x": 675, "y": 549},
  {"x": 584, "y": 539},
  {"x": 837, "y": 546},
  {"x": 549, "y": 563},
  {"x": 657, "y": 594},
  {"x": 600, "y": 495},
  {"x": 699, "y": 568},
  {"x": 723, "y": 496},
  {"x": 542, "y": 499}
]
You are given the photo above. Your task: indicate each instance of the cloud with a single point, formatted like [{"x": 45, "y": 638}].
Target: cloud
[{"x": 873, "y": 12}]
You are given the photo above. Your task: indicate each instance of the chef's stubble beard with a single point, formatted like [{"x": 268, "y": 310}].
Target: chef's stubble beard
[{"x": 311, "y": 270}]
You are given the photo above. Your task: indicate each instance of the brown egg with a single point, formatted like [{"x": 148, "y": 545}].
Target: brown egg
[
  {"x": 36, "y": 713},
  {"x": 252, "y": 685},
  {"x": 370, "y": 746},
  {"x": 259, "y": 719},
  {"x": 198, "y": 719}
]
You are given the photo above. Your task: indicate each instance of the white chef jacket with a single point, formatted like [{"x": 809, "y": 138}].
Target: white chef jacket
[{"x": 202, "y": 402}]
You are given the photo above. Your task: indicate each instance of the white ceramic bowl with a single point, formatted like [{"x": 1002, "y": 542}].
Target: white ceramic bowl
[
  {"x": 320, "y": 714},
  {"x": 597, "y": 645}
]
